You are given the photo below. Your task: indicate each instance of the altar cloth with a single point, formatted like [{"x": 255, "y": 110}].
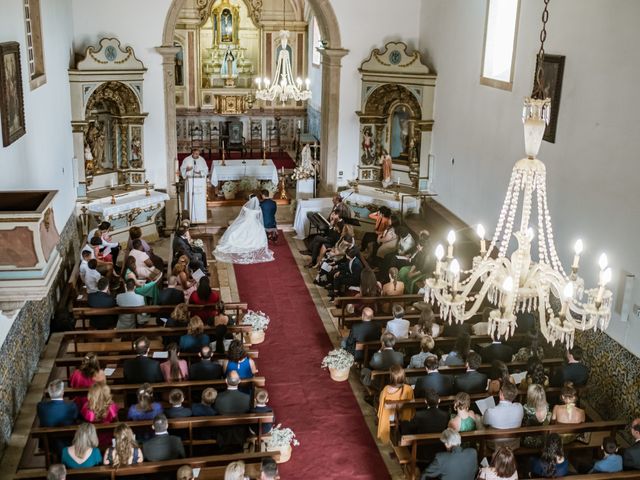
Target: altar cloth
[{"x": 235, "y": 170}]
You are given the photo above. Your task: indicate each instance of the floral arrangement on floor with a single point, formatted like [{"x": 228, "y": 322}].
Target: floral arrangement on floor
[
  {"x": 270, "y": 186},
  {"x": 303, "y": 172},
  {"x": 248, "y": 184},
  {"x": 259, "y": 321},
  {"x": 282, "y": 437},
  {"x": 198, "y": 243},
  {"x": 229, "y": 187},
  {"x": 339, "y": 359}
]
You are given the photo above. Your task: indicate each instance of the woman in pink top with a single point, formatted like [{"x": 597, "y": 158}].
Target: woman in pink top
[
  {"x": 88, "y": 373},
  {"x": 99, "y": 407},
  {"x": 174, "y": 369}
]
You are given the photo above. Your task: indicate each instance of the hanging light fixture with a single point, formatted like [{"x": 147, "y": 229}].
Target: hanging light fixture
[
  {"x": 283, "y": 87},
  {"x": 516, "y": 283}
]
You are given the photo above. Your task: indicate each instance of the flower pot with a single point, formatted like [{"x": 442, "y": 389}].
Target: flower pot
[
  {"x": 339, "y": 375},
  {"x": 229, "y": 195},
  {"x": 256, "y": 336},
  {"x": 285, "y": 453}
]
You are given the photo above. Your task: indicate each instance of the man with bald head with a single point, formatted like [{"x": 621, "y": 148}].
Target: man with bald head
[
  {"x": 631, "y": 455},
  {"x": 365, "y": 331},
  {"x": 232, "y": 401}
]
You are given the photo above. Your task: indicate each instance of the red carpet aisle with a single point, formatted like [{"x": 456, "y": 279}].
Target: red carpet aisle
[{"x": 334, "y": 439}]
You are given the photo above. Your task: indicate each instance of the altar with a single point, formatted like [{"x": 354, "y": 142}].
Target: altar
[
  {"x": 237, "y": 169},
  {"x": 368, "y": 199},
  {"x": 130, "y": 208}
]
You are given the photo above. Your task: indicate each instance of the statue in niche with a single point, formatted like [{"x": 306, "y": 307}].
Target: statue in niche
[
  {"x": 136, "y": 152},
  {"x": 307, "y": 159},
  {"x": 89, "y": 166},
  {"x": 229, "y": 67},
  {"x": 98, "y": 148},
  {"x": 400, "y": 132},
  {"x": 387, "y": 164},
  {"x": 368, "y": 147},
  {"x": 226, "y": 26},
  {"x": 179, "y": 72}
]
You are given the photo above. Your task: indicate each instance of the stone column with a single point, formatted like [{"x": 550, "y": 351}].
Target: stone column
[
  {"x": 330, "y": 112},
  {"x": 168, "y": 66}
]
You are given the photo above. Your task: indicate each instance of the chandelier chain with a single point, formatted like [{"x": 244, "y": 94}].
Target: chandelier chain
[{"x": 538, "y": 89}]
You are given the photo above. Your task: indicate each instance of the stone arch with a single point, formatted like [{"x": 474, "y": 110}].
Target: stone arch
[
  {"x": 330, "y": 104},
  {"x": 381, "y": 100},
  {"x": 117, "y": 95}
]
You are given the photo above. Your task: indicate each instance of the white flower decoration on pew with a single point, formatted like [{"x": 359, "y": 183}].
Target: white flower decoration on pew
[
  {"x": 282, "y": 437},
  {"x": 259, "y": 321},
  {"x": 339, "y": 359}
]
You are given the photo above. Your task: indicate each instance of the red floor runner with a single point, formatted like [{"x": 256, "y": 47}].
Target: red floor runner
[
  {"x": 280, "y": 160},
  {"x": 334, "y": 439}
]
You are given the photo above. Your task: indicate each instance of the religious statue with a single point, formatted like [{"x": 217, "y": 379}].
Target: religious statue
[
  {"x": 136, "y": 152},
  {"x": 307, "y": 159},
  {"x": 368, "y": 155},
  {"x": 226, "y": 26},
  {"x": 179, "y": 75},
  {"x": 387, "y": 164},
  {"x": 98, "y": 149},
  {"x": 229, "y": 68},
  {"x": 89, "y": 166}
]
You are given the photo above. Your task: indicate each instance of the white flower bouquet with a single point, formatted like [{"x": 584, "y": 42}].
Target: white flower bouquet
[
  {"x": 259, "y": 321},
  {"x": 229, "y": 187},
  {"x": 198, "y": 243},
  {"x": 281, "y": 437},
  {"x": 270, "y": 186},
  {"x": 303, "y": 172},
  {"x": 248, "y": 184},
  {"x": 338, "y": 359}
]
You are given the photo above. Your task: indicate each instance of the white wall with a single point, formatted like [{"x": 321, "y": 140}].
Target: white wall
[
  {"x": 137, "y": 24},
  {"x": 593, "y": 167},
  {"x": 365, "y": 25},
  {"x": 42, "y": 159}
]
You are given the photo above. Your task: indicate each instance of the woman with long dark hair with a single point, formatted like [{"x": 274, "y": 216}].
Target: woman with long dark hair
[
  {"x": 552, "y": 463},
  {"x": 126, "y": 450},
  {"x": 174, "y": 369},
  {"x": 461, "y": 349},
  {"x": 205, "y": 295},
  {"x": 498, "y": 376}
]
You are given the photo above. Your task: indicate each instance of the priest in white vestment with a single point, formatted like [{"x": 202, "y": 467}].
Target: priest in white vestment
[{"x": 194, "y": 171}]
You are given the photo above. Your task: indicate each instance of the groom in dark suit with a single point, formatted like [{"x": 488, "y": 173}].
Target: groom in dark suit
[
  {"x": 269, "y": 209},
  {"x": 348, "y": 273}
]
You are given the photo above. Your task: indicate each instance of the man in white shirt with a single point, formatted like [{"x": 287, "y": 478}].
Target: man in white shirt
[
  {"x": 505, "y": 415},
  {"x": 84, "y": 264},
  {"x": 398, "y": 326},
  {"x": 130, "y": 299},
  {"x": 92, "y": 276},
  {"x": 194, "y": 171}
]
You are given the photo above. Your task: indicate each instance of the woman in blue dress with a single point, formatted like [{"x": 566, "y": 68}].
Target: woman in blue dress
[
  {"x": 552, "y": 463},
  {"x": 239, "y": 361},
  {"x": 83, "y": 452},
  {"x": 146, "y": 408}
]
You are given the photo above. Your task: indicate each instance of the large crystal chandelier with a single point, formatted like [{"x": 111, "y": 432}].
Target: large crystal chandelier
[
  {"x": 511, "y": 280},
  {"x": 283, "y": 87}
]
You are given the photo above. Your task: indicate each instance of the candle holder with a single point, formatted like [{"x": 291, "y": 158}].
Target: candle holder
[
  {"x": 222, "y": 162},
  {"x": 147, "y": 193},
  {"x": 397, "y": 196},
  {"x": 282, "y": 189},
  {"x": 264, "y": 157},
  {"x": 113, "y": 195}
]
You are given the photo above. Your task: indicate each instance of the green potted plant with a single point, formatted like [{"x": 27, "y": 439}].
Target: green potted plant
[
  {"x": 339, "y": 363},
  {"x": 259, "y": 322},
  {"x": 229, "y": 189},
  {"x": 282, "y": 439}
]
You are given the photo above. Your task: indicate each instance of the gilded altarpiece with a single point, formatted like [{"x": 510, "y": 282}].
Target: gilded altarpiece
[{"x": 396, "y": 117}]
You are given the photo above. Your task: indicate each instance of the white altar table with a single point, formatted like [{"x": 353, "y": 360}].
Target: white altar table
[
  {"x": 131, "y": 208},
  {"x": 236, "y": 169},
  {"x": 373, "y": 196},
  {"x": 301, "y": 222}
]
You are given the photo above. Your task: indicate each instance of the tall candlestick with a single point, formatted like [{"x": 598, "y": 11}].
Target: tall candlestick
[
  {"x": 439, "y": 255},
  {"x": 578, "y": 250},
  {"x": 451, "y": 238}
]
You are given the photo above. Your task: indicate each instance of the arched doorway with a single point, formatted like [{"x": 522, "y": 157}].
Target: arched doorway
[{"x": 331, "y": 63}]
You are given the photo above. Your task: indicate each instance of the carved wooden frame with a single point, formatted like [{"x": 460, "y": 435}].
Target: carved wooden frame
[{"x": 11, "y": 48}]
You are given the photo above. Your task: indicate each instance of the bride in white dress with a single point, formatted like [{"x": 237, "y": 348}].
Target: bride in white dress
[{"x": 245, "y": 241}]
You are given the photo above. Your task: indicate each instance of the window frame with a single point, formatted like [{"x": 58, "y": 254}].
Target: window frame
[
  {"x": 493, "y": 82},
  {"x": 34, "y": 43}
]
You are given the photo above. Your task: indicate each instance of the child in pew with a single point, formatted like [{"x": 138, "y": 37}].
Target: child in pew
[
  {"x": 612, "y": 462},
  {"x": 261, "y": 400},
  {"x": 176, "y": 398}
]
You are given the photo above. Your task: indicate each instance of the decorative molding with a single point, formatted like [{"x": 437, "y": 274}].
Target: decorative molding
[
  {"x": 394, "y": 58},
  {"x": 109, "y": 55}
]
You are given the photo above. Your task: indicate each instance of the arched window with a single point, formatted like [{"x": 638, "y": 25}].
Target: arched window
[
  {"x": 35, "y": 53},
  {"x": 500, "y": 35}
]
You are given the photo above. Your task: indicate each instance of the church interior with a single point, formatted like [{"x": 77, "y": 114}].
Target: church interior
[{"x": 441, "y": 281}]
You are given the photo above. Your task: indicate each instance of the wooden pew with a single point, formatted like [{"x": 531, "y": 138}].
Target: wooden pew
[
  {"x": 117, "y": 362},
  {"x": 185, "y": 425},
  {"x": 188, "y": 387},
  {"x": 411, "y": 442},
  {"x": 441, "y": 342},
  {"x": 602, "y": 476},
  {"x": 342, "y": 302},
  {"x": 83, "y": 314}
]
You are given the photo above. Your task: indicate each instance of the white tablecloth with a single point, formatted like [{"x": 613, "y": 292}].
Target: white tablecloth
[
  {"x": 301, "y": 222},
  {"x": 305, "y": 188},
  {"x": 126, "y": 203},
  {"x": 235, "y": 170},
  {"x": 372, "y": 196}
]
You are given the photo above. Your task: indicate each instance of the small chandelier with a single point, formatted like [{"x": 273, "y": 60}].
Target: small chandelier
[
  {"x": 283, "y": 87},
  {"x": 516, "y": 283}
]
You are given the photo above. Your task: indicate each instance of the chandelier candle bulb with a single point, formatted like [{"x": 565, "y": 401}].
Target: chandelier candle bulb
[
  {"x": 578, "y": 250},
  {"x": 451, "y": 238},
  {"x": 454, "y": 268},
  {"x": 483, "y": 243},
  {"x": 439, "y": 255},
  {"x": 603, "y": 261}
]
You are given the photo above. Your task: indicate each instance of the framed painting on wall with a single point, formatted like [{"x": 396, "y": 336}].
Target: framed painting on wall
[
  {"x": 553, "y": 73},
  {"x": 12, "y": 104}
]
